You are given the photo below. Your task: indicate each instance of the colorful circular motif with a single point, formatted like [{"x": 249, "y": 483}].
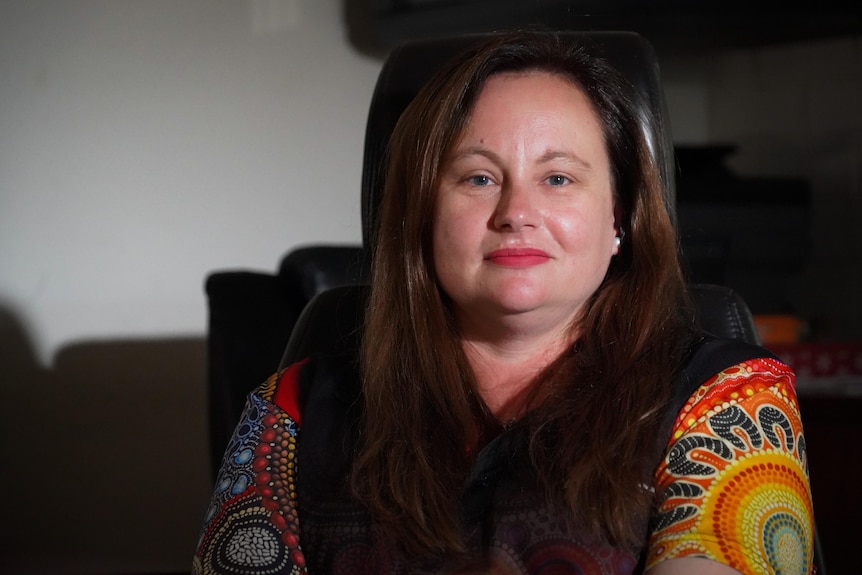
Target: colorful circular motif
[
  {"x": 735, "y": 481},
  {"x": 246, "y": 541}
]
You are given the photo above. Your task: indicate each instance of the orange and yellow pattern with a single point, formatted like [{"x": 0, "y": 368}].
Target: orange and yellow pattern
[{"x": 734, "y": 484}]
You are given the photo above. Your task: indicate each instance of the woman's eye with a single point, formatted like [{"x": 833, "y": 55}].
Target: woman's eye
[
  {"x": 479, "y": 180},
  {"x": 558, "y": 180}
]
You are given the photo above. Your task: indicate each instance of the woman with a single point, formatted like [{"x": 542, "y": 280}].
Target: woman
[{"x": 513, "y": 409}]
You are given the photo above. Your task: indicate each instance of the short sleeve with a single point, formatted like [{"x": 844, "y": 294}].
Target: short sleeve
[
  {"x": 734, "y": 486},
  {"x": 251, "y": 525}
]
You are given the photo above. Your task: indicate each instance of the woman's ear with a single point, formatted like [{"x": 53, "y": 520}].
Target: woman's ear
[{"x": 618, "y": 228}]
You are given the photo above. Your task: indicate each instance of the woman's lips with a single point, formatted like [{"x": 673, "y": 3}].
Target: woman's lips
[{"x": 517, "y": 257}]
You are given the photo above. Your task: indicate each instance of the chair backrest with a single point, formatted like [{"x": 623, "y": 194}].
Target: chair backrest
[
  {"x": 410, "y": 65},
  {"x": 332, "y": 320}
]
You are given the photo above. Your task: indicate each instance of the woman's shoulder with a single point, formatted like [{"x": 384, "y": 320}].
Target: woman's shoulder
[
  {"x": 753, "y": 381},
  {"x": 711, "y": 361},
  {"x": 734, "y": 480},
  {"x": 282, "y": 389},
  {"x": 310, "y": 379}
]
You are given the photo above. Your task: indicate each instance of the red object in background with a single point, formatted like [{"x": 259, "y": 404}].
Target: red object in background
[
  {"x": 829, "y": 387},
  {"x": 832, "y": 368},
  {"x": 816, "y": 360}
]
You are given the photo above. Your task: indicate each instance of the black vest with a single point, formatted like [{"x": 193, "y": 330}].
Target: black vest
[{"x": 508, "y": 524}]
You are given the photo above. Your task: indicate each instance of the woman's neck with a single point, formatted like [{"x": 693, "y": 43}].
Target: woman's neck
[{"x": 506, "y": 371}]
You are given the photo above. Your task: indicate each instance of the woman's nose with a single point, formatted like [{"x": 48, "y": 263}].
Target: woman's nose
[{"x": 516, "y": 208}]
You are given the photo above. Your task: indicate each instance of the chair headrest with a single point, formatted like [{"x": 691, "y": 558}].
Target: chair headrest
[{"x": 410, "y": 65}]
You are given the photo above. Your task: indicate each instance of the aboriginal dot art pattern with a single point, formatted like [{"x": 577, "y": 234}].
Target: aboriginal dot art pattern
[{"x": 735, "y": 480}]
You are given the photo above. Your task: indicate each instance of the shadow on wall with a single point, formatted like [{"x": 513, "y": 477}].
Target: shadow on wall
[{"x": 104, "y": 456}]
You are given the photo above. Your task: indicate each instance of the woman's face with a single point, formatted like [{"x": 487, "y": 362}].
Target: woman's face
[{"x": 524, "y": 216}]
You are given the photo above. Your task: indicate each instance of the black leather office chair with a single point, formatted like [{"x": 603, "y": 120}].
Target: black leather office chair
[
  {"x": 332, "y": 319},
  {"x": 331, "y": 322},
  {"x": 251, "y": 316}
]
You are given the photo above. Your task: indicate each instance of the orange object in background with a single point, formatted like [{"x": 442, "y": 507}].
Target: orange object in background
[{"x": 778, "y": 329}]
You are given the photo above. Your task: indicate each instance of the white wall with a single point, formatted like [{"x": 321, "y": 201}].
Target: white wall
[
  {"x": 146, "y": 143},
  {"x": 143, "y": 145}
]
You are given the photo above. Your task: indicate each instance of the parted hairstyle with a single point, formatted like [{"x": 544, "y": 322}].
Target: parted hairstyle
[{"x": 595, "y": 418}]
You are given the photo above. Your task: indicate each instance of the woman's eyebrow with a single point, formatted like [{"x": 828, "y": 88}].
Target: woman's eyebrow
[
  {"x": 561, "y": 154},
  {"x": 548, "y": 156},
  {"x": 475, "y": 151}
]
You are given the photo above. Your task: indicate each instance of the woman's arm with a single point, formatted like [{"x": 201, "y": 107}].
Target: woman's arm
[
  {"x": 251, "y": 525},
  {"x": 733, "y": 487}
]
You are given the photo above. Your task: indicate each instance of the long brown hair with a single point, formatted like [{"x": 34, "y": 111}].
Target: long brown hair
[{"x": 593, "y": 437}]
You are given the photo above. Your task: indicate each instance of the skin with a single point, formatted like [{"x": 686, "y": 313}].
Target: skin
[
  {"x": 524, "y": 233},
  {"x": 524, "y": 227}
]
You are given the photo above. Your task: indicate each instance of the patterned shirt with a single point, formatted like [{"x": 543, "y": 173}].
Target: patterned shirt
[
  {"x": 735, "y": 480},
  {"x": 733, "y": 488}
]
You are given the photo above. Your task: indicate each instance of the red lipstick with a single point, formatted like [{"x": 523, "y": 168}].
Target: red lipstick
[{"x": 517, "y": 257}]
